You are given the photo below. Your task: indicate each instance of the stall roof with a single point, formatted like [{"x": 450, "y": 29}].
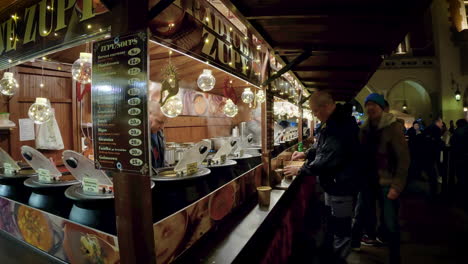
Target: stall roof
[{"x": 344, "y": 40}]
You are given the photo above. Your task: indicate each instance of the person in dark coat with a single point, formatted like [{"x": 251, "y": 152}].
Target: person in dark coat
[
  {"x": 459, "y": 154},
  {"x": 433, "y": 145},
  {"x": 387, "y": 158},
  {"x": 334, "y": 159}
]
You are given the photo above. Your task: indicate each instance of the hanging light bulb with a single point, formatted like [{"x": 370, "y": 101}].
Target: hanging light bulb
[
  {"x": 230, "y": 109},
  {"x": 206, "y": 81},
  {"x": 247, "y": 96},
  {"x": 172, "y": 107},
  {"x": 465, "y": 109},
  {"x": 82, "y": 68},
  {"x": 8, "y": 85},
  {"x": 404, "y": 106},
  {"x": 260, "y": 96},
  {"x": 457, "y": 95},
  {"x": 40, "y": 112}
]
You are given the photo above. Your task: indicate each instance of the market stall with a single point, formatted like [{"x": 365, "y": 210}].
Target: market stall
[{"x": 79, "y": 178}]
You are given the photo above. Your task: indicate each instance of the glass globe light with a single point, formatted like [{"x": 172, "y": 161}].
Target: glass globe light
[
  {"x": 247, "y": 96},
  {"x": 40, "y": 112},
  {"x": 82, "y": 68},
  {"x": 172, "y": 107},
  {"x": 206, "y": 81},
  {"x": 230, "y": 109},
  {"x": 8, "y": 85},
  {"x": 261, "y": 98}
]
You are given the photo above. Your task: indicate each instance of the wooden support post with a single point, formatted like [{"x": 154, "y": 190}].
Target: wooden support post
[
  {"x": 133, "y": 199},
  {"x": 133, "y": 209}
]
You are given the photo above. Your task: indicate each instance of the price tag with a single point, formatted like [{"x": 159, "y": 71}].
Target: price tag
[
  {"x": 90, "y": 185},
  {"x": 8, "y": 169},
  {"x": 223, "y": 159},
  {"x": 192, "y": 168},
  {"x": 44, "y": 175},
  {"x": 241, "y": 153}
]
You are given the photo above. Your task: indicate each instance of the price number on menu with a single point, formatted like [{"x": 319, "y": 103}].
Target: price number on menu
[
  {"x": 192, "y": 168},
  {"x": 135, "y": 152},
  {"x": 134, "y": 132},
  {"x": 8, "y": 169},
  {"x": 134, "y": 71},
  {"x": 134, "y": 111},
  {"x": 134, "y": 91},
  {"x": 44, "y": 175},
  {"x": 134, "y": 61},
  {"x": 136, "y": 162},
  {"x": 134, "y": 101},
  {"x": 90, "y": 185},
  {"x": 135, "y": 142},
  {"x": 134, "y": 121}
]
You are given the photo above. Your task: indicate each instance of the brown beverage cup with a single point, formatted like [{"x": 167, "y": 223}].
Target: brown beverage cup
[{"x": 264, "y": 193}]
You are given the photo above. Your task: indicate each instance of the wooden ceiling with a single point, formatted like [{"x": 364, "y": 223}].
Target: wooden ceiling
[{"x": 346, "y": 39}]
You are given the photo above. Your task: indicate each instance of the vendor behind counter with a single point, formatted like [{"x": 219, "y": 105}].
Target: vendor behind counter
[{"x": 157, "y": 121}]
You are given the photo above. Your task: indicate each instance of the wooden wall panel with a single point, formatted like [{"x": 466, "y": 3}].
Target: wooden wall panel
[
  {"x": 58, "y": 89},
  {"x": 196, "y": 128}
]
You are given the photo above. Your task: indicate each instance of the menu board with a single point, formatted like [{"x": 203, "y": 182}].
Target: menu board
[{"x": 119, "y": 104}]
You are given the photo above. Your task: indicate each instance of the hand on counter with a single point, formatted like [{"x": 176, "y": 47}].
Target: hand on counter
[
  {"x": 393, "y": 194},
  {"x": 298, "y": 155},
  {"x": 291, "y": 171}
]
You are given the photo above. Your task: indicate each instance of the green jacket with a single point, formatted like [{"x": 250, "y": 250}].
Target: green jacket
[{"x": 386, "y": 149}]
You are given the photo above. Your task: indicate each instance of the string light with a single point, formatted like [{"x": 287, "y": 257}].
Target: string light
[
  {"x": 41, "y": 111},
  {"x": 206, "y": 81},
  {"x": 172, "y": 107},
  {"x": 8, "y": 85},
  {"x": 82, "y": 68},
  {"x": 89, "y": 26},
  {"x": 230, "y": 109},
  {"x": 261, "y": 98}
]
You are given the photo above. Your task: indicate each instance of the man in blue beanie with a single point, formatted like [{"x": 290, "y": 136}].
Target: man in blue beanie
[{"x": 386, "y": 152}]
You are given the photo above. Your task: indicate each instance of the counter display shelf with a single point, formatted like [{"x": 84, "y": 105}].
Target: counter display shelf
[
  {"x": 50, "y": 197},
  {"x": 11, "y": 186}
]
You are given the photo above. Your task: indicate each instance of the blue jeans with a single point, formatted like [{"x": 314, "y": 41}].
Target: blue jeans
[
  {"x": 391, "y": 225},
  {"x": 340, "y": 224}
]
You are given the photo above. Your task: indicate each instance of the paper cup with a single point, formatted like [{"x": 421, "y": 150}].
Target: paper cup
[{"x": 264, "y": 193}]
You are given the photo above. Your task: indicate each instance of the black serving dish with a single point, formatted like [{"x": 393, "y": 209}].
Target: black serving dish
[
  {"x": 12, "y": 187},
  {"x": 221, "y": 174}
]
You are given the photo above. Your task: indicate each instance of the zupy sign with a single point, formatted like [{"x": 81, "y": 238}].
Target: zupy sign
[{"x": 32, "y": 26}]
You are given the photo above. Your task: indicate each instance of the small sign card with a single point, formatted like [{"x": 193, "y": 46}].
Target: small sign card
[
  {"x": 90, "y": 185},
  {"x": 44, "y": 175},
  {"x": 192, "y": 168},
  {"x": 8, "y": 169}
]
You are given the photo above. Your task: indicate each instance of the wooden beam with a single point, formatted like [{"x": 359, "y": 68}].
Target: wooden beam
[
  {"x": 305, "y": 55},
  {"x": 158, "y": 8}
]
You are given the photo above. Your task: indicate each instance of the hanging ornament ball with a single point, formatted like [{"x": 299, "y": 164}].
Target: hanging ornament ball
[
  {"x": 261, "y": 96},
  {"x": 230, "y": 109},
  {"x": 206, "y": 81},
  {"x": 8, "y": 85},
  {"x": 172, "y": 107},
  {"x": 247, "y": 96},
  {"x": 40, "y": 112},
  {"x": 82, "y": 68}
]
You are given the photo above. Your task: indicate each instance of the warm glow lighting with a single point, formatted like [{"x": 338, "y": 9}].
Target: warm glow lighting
[
  {"x": 465, "y": 109},
  {"x": 45, "y": 31},
  {"x": 207, "y": 40},
  {"x": 246, "y": 38},
  {"x": 44, "y": 58},
  {"x": 206, "y": 81},
  {"x": 8, "y": 85},
  {"x": 82, "y": 68},
  {"x": 55, "y": 34},
  {"x": 207, "y": 19},
  {"x": 457, "y": 95},
  {"x": 89, "y": 26},
  {"x": 170, "y": 52},
  {"x": 10, "y": 61},
  {"x": 259, "y": 47},
  {"x": 230, "y": 28},
  {"x": 40, "y": 112},
  {"x": 15, "y": 17},
  {"x": 41, "y": 85}
]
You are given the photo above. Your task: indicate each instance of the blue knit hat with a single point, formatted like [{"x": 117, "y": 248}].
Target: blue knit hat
[{"x": 375, "y": 98}]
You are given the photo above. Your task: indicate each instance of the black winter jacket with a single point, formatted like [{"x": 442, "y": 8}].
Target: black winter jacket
[{"x": 334, "y": 156}]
